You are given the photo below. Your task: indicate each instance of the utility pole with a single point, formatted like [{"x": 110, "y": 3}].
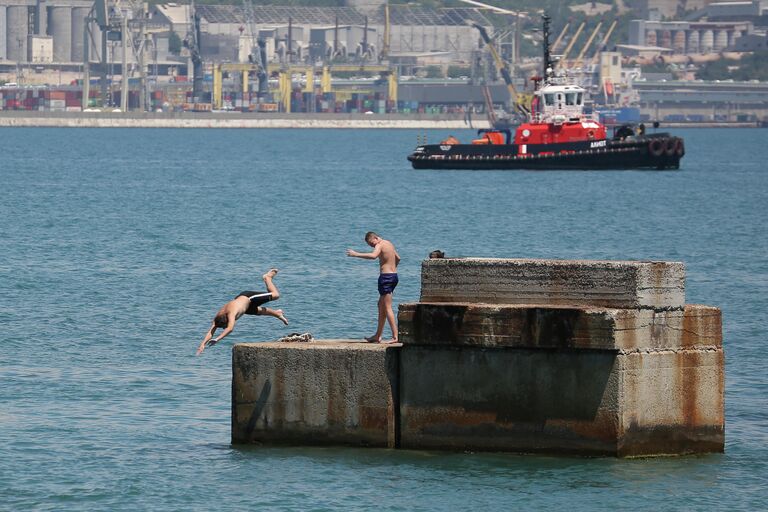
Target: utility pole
[
  {"x": 124, "y": 90},
  {"x": 142, "y": 64},
  {"x": 86, "y": 62},
  {"x": 104, "y": 64}
]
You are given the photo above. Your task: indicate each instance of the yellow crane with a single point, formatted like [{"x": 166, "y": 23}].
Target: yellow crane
[
  {"x": 560, "y": 37},
  {"x": 568, "y": 48},
  {"x": 385, "y": 49},
  {"x": 519, "y": 101},
  {"x": 578, "y": 60},
  {"x": 602, "y": 44}
]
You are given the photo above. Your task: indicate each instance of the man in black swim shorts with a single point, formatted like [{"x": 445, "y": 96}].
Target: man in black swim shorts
[
  {"x": 247, "y": 303},
  {"x": 388, "y": 261}
]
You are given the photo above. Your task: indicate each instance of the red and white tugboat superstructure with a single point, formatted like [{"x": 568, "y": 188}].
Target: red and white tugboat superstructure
[
  {"x": 557, "y": 117},
  {"x": 558, "y": 135}
]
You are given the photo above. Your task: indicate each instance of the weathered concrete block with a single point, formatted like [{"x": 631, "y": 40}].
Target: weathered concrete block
[
  {"x": 594, "y": 402},
  {"x": 672, "y": 402},
  {"x": 612, "y": 284},
  {"x": 326, "y": 392},
  {"x": 495, "y": 326}
]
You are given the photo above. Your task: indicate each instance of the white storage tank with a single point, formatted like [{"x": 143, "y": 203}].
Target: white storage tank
[
  {"x": 17, "y": 30},
  {"x": 61, "y": 29}
]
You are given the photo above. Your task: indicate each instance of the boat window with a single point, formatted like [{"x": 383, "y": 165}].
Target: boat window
[
  {"x": 579, "y": 98},
  {"x": 549, "y": 99},
  {"x": 570, "y": 98}
]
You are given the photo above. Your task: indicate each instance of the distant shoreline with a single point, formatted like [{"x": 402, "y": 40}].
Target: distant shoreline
[{"x": 32, "y": 119}]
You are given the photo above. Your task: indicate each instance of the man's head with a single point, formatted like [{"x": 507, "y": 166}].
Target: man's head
[
  {"x": 221, "y": 321},
  {"x": 372, "y": 238},
  {"x": 436, "y": 254}
]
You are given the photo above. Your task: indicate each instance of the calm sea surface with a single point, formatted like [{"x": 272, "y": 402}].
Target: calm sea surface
[{"x": 119, "y": 245}]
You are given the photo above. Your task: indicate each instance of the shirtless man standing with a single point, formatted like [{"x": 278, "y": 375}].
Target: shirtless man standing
[
  {"x": 247, "y": 303},
  {"x": 388, "y": 261}
]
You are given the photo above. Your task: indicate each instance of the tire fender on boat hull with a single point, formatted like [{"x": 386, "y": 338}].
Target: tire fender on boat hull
[
  {"x": 670, "y": 145},
  {"x": 680, "y": 148},
  {"x": 656, "y": 147}
]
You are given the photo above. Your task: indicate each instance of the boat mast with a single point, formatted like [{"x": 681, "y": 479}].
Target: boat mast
[{"x": 548, "y": 64}]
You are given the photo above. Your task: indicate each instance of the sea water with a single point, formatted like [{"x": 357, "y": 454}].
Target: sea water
[{"x": 118, "y": 245}]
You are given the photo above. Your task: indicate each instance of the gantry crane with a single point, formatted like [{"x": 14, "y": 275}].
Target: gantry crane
[
  {"x": 258, "y": 53},
  {"x": 518, "y": 101},
  {"x": 564, "y": 56},
  {"x": 602, "y": 44},
  {"x": 192, "y": 43},
  {"x": 560, "y": 37},
  {"x": 578, "y": 61}
]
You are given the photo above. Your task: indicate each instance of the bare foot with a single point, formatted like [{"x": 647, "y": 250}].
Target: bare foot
[
  {"x": 387, "y": 342},
  {"x": 280, "y": 316},
  {"x": 269, "y": 275},
  {"x": 372, "y": 339}
]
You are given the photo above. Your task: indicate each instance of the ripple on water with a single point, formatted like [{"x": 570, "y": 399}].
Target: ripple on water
[{"x": 112, "y": 271}]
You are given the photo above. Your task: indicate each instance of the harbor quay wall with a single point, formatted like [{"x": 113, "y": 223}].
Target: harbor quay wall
[
  {"x": 609, "y": 361},
  {"x": 26, "y": 118},
  {"x": 231, "y": 120}
]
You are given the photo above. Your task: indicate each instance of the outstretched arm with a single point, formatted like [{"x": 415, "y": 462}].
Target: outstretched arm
[
  {"x": 230, "y": 327},
  {"x": 365, "y": 255},
  {"x": 210, "y": 341},
  {"x": 208, "y": 336}
]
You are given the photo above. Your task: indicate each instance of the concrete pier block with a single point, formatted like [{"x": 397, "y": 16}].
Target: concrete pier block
[
  {"x": 325, "y": 392},
  {"x": 672, "y": 402},
  {"x": 548, "y": 356},
  {"x": 594, "y": 402},
  {"x": 612, "y": 284},
  {"x": 496, "y": 326}
]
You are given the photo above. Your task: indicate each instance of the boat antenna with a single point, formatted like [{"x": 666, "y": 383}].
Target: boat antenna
[{"x": 548, "y": 64}]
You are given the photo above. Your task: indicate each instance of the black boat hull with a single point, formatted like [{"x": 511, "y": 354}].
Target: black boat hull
[{"x": 658, "y": 151}]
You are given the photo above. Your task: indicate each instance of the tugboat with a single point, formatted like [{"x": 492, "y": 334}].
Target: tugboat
[{"x": 558, "y": 135}]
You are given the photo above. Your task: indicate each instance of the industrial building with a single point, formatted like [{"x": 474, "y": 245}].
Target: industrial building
[
  {"x": 42, "y": 31},
  {"x": 699, "y": 101},
  {"x": 318, "y": 32},
  {"x": 52, "y": 34},
  {"x": 656, "y": 9},
  {"x": 685, "y": 37}
]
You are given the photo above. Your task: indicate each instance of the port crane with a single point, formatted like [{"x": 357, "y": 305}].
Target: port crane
[
  {"x": 192, "y": 43},
  {"x": 258, "y": 53},
  {"x": 564, "y": 56},
  {"x": 560, "y": 37},
  {"x": 518, "y": 100},
  {"x": 580, "y": 58}
]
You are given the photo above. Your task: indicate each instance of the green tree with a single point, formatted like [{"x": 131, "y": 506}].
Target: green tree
[
  {"x": 458, "y": 71},
  {"x": 174, "y": 43},
  {"x": 753, "y": 67},
  {"x": 434, "y": 72},
  {"x": 715, "y": 70}
]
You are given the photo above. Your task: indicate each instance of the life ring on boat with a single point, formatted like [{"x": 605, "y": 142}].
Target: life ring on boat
[
  {"x": 680, "y": 148},
  {"x": 656, "y": 147},
  {"x": 670, "y": 146},
  {"x": 591, "y": 134}
]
